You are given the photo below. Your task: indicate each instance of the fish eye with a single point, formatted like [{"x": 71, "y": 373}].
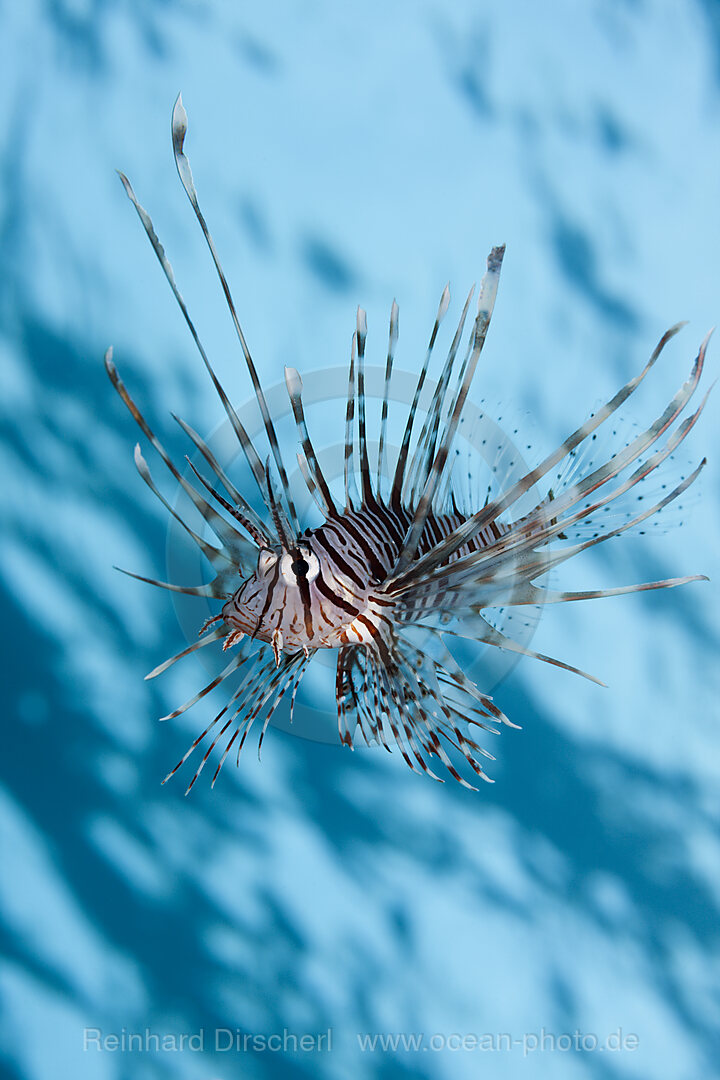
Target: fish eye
[
  {"x": 266, "y": 559},
  {"x": 311, "y": 562},
  {"x": 306, "y": 566}
]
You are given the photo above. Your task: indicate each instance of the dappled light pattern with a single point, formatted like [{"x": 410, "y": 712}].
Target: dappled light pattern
[{"x": 328, "y": 889}]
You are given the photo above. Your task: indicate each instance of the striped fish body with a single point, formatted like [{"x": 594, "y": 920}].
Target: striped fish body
[{"x": 328, "y": 590}]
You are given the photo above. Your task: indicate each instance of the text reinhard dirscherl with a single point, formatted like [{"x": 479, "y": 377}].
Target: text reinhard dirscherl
[
  {"x": 222, "y": 1040},
  {"x": 219, "y": 1039}
]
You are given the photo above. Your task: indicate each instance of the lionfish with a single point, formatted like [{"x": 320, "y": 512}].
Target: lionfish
[{"x": 395, "y": 568}]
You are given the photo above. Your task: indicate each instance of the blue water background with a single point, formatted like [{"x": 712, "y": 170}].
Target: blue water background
[{"x": 347, "y": 154}]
